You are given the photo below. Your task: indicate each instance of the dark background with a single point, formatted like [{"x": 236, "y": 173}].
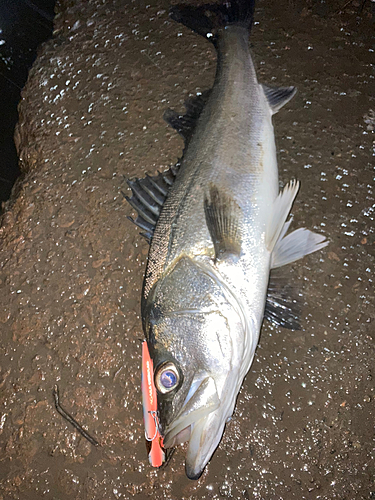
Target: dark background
[{"x": 24, "y": 25}]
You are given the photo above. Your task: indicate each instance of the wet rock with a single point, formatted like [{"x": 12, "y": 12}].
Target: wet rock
[{"x": 71, "y": 264}]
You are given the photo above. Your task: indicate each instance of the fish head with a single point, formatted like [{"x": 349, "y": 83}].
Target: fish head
[{"x": 196, "y": 342}]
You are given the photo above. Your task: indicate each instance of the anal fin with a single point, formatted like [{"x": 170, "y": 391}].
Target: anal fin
[
  {"x": 277, "y": 97},
  {"x": 223, "y": 219}
]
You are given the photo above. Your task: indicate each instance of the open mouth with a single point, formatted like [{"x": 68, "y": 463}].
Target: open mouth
[
  {"x": 201, "y": 400},
  {"x": 201, "y": 422}
]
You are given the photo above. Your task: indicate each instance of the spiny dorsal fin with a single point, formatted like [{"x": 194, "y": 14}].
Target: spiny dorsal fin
[
  {"x": 223, "y": 219},
  {"x": 185, "y": 124},
  {"x": 282, "y": 303},
  {"x": 277, "y": 97},
  {"x": 148, "y": 196},
  {"x": 149, "y": 193}
]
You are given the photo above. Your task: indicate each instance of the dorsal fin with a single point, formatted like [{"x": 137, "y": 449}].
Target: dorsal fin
[
  {"x": 148, "y": 196},
  {"x": 150, "y": 193},
  {"x": 185, "y": 124}
]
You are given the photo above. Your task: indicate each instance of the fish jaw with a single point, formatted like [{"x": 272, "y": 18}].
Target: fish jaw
[
  {"x": 204, "y": 439},
  {"x": 201, "y": 422},
  {"x": 197, "y": 406},
  {"x": 209, "y": 339}
]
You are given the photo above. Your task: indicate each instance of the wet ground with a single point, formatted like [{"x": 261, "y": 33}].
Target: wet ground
[
  {"x": 24, "y": 25},
  {"x": 72, "y": 264}
]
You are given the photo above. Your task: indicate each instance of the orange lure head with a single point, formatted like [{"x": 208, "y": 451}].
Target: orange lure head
[{"x": 154, "y": 441}]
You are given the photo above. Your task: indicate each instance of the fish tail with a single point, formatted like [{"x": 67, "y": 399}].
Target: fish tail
[{"x": 209, "y": 20}]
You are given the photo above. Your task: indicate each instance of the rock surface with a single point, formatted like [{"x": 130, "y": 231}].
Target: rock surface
[{"x": 71, "y": 264}]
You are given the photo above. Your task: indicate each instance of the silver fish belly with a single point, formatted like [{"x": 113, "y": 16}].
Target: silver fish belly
[{"x": 220, "y": 231}]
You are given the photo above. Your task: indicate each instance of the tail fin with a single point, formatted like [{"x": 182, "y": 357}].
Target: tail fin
[{"x": 208, "y": 20}]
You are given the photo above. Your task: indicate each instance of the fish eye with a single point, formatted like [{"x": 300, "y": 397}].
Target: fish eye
[{"x": 167, "y": 378}]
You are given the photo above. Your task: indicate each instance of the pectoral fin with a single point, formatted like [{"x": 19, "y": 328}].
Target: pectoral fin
[{"x": 223, "y": 219}]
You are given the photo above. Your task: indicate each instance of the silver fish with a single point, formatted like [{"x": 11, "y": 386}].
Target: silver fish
[{"x": 221, "y": 229}]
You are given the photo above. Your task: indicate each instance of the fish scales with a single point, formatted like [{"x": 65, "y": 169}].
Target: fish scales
[
  {"x": 221, "y": 229},
  {"x": 227, "y": 149}
]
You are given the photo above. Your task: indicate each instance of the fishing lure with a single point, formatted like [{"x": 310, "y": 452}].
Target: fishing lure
[{"x": 154, "y": 441}]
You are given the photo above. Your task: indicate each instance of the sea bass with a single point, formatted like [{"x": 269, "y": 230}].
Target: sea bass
[{"x": 217, "y": 225}]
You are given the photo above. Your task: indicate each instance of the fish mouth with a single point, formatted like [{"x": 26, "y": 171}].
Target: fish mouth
[{"x": 200, "y": 423}]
